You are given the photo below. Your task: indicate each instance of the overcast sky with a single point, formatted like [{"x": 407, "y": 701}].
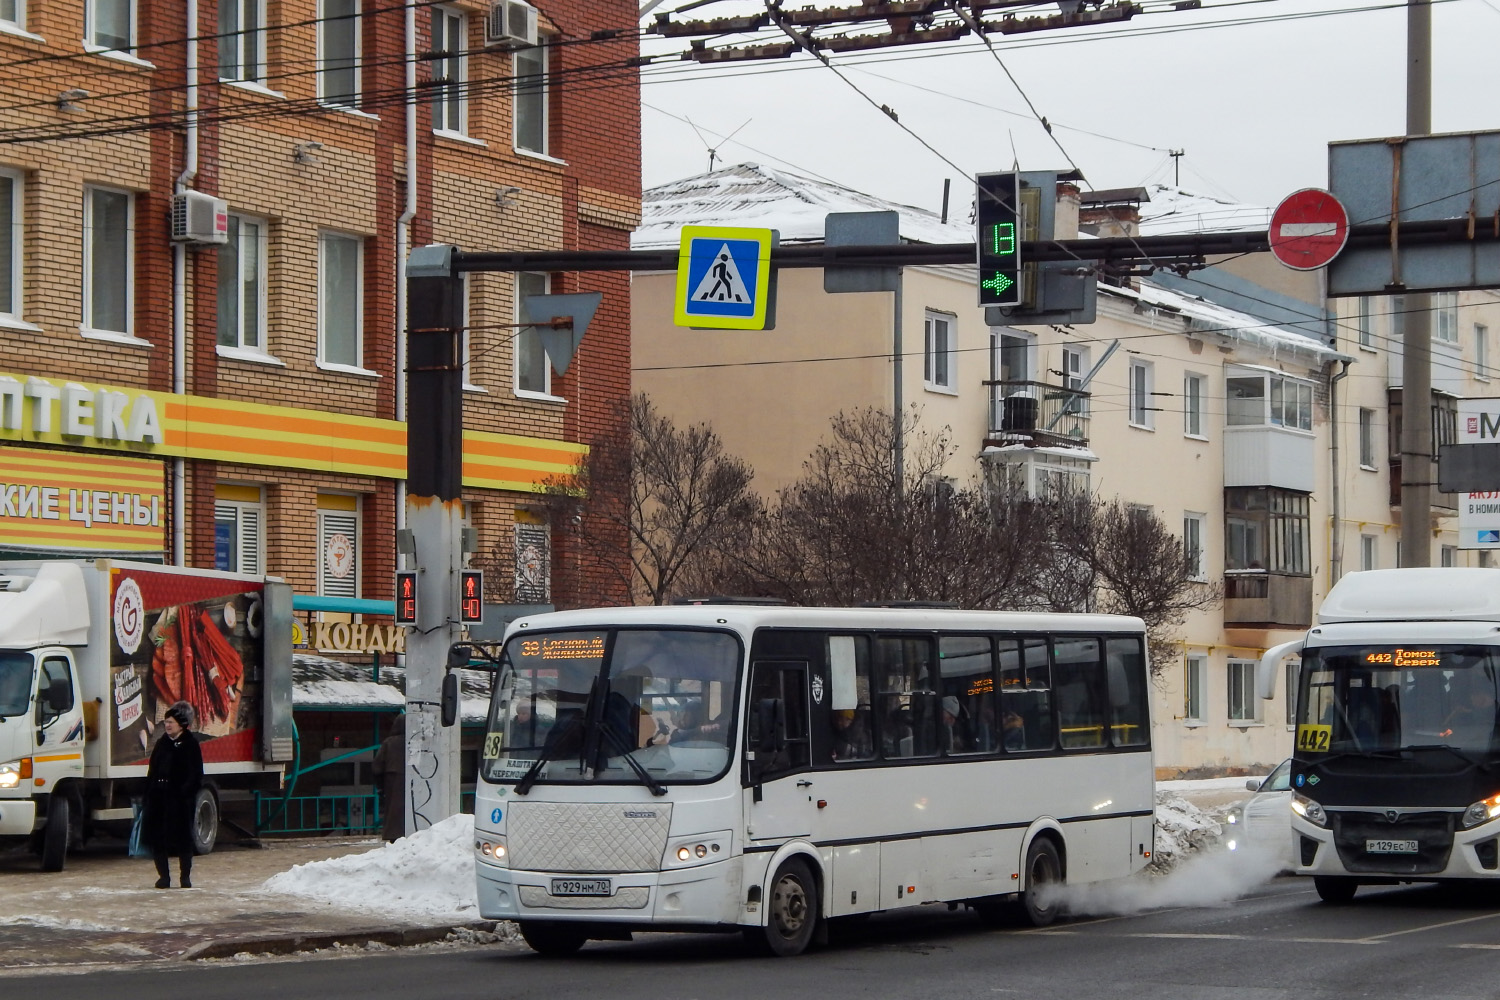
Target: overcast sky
[{"x": 1253, "y": 105}]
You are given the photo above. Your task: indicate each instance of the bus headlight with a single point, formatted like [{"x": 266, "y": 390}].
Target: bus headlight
[
  {"x": 1309, "y": 810},
  {"x": 14, "y": 772},
  {"x": 702, "y": 849},
  {"x": 1482, "y": 811},
  {"x": 491, "y": 847}
]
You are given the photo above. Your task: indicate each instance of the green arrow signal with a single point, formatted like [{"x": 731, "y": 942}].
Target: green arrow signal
[{"x": 998, "y": 284}]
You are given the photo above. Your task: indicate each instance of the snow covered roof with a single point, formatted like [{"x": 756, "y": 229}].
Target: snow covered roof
[
  {"x": 1209, "y": 318},
  {"x": 319, "y": 682},
  {"x": 1172, "y": 211},
  {"x": 794, "y": 204}
]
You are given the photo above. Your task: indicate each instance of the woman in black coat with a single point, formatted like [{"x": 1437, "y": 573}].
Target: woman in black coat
[{"x": 172, "y": 782}]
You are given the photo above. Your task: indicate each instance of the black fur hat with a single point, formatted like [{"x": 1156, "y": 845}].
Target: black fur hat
[{"x": 184, "y": 714}]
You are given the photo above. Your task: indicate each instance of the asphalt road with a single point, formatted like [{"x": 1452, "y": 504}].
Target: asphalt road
[{"x": 1278, "y": 942}]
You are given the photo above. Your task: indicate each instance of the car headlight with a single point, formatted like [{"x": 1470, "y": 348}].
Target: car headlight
[
  {"x": 12, "y": 773},
  {"x": 1309, "y": 810},
  {"x": 491, "y": 847},
  {"x": 1233, "y": 819},
  {"x": 1482, "y": 811},
  {"x": 700, "y": 849}
]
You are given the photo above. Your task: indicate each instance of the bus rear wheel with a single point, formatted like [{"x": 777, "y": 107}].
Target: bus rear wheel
[
  {"x": 1335, "y": 890},
  {"x": 1044, "y": 882},
  {"x": 554, "y": 940},
  {"x": 792, "y": 911}
]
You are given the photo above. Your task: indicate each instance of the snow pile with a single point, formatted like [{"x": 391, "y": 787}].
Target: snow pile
[
  {"x": 1181, "y": 828},
  {"x": 426, "y": 876}
]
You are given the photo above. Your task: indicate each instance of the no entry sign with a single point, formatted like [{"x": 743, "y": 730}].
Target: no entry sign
[{"x": 1308, "y": 229}]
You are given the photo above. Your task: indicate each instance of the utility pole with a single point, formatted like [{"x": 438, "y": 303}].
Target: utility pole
[{"x": 1416, "y": 343}]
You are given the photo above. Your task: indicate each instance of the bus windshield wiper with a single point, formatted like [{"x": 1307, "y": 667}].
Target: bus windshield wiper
[
  {"x": 535, "y": 770},
  {"x": 1472, "y": 761},
  {"x": 657, "y": 788}
]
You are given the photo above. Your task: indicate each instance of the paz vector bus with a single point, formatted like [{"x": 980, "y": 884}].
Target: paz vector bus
[
  {"x": 1396, "y": 764},
  {"x": 770, "y": 769}
]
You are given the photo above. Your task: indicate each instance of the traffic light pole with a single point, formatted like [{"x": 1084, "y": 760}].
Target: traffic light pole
[{"x": 1416, "y": 340}]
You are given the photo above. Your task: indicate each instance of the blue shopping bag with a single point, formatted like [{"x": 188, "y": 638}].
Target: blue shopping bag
[{"x": 137, "y": 822}]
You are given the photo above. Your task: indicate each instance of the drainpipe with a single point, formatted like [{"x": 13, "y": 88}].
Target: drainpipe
[
  {"x": 403, "y": 237},
  {"x": 1336, "y": 558},
  {"x": 179, "y": 282}
]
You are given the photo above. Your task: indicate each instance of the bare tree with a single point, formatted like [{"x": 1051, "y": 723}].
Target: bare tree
[{"x": 672, "y": 493}]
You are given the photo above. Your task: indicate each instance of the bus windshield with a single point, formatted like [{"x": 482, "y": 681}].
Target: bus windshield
[
  {"x": 1359, "y": 699},
  {"x": 608, "y": 705}
]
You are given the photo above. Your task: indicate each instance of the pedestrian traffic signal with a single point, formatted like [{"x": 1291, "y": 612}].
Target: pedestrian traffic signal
[
  {"x": 471, "y": 596},
  {"x": 997, "y": 218},
  {"x": 406, "y": 597}
]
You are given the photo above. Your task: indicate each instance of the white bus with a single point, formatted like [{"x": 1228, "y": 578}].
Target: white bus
[
  {"x": 769, "y": 769},
  {"x": 1396, "y": 763}
]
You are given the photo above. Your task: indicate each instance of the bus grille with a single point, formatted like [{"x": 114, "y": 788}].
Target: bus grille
[
  {"x": 587, "y": 837},
  {"x": 1433, "y": 832}
]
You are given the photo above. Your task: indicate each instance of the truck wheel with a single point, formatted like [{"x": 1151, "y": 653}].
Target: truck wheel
[
  {"x": 55, "y": 834},
  {"x": 1334, "y": 890},
  {"x": 205, "y": 821},
  {"x": 1044, "y": 881},
  {"x": 792, "y": 911},
  {"x": 552, "y": 939}
]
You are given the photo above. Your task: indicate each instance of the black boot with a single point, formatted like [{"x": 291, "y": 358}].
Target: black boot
[
  {"x": 165, "y": 879},
  {"x": 185, "y": 866}
]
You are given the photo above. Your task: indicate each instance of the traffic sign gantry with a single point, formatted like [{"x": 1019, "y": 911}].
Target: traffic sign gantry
[
  {"x": 1308, "y": 229},
  {"x": 723, "y": 277}
]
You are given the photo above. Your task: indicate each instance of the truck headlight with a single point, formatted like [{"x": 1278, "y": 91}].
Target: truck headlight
[
  {"x": 702, "y": 849},
  {"x": 12, "y": 773},
  {"x": 491, "y": 847},
  {"x": 1482, "y": 811},
  {"x": 1309, "y": 810}
]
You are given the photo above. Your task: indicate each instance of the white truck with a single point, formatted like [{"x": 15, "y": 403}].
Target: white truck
[{"x": 93, "y": 652}]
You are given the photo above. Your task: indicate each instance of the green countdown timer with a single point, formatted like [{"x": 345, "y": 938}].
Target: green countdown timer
[{"x": 996, "y": 215}]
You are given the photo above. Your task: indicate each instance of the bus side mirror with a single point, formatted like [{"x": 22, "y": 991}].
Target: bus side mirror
[
  {"x": 450, "y": 698},
  {"x": 459, "y": 655}
]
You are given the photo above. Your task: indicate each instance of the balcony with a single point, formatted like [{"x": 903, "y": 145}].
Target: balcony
[
  {"x": 1258, "y": 599},
  {"x": 1037, "y": 414}
]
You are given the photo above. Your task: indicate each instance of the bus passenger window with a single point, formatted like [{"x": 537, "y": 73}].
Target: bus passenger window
[
  {"x": 1025, "y": 695},
  {"x": 966, "y": 720},
  {"x": 1081, "y": 692},
  {"x": 907, "y": 704},
  {"x": 1129, "y": 723}
]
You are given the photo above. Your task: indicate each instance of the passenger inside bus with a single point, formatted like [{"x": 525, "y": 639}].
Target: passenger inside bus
[
  {"x": 1015, "y": 731},
  {"x": 851, "y": 735},
  {"x": 692, "y": 727},
  {"x": 952, "y": 731},
  {"x": 1472, "y": 721}
]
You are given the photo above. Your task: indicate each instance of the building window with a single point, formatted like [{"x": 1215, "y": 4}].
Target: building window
[
  {"x": 531, "y": 98},
  {"x": 1141, "y": 410},
  {"x": 1367, "y": 439},
  {"x": 13, "y": 12},
  {"x": 239, "y": 535},
  {"x": 1192, "y": 546},
  {"x": 242, "y": 285},
  {"x": 10, "y": 243},
  {"x": 242, "y": 40},
  {"x": 108, "y": 260},
  {"x": 1266, "y": 399},
  {"x": 1267, "y": 528},
  {"x": 1242, "y": 700},
  {"x": 1010, "y": 357},
  {"x": 1194, "y": 688},
  {"x": 533, "y": 368},
  {"x": 1365, "y": 322},
  {"x": 1398, "y": 317},
  {"x": 1481, "y": 352},
  {"x": 340, "y": 299},
  {"x": 450, "y": 39},
  {"x": 338, "y": 545},
  {"x": 1448, "y": 556},
  {"x": 939, "y": 355},
  {"x": 110, "y": 24},
  {"x": 1445, "y": 311},
  {"x": 1192, "y": 405},
  {"x": 1369, "y": 549},
  {"x": 1293, "y": 685},
  {"x": 338, "y": 53}
]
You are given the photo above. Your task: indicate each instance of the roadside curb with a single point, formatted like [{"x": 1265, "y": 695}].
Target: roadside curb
[{"x": 293, "y": 943}]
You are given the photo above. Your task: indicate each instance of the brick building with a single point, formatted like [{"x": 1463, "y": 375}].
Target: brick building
[{"x": 240, "y": 405}]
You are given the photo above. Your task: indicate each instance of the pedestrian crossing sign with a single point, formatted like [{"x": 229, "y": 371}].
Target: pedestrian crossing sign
[{"x": 723, "y": 277}]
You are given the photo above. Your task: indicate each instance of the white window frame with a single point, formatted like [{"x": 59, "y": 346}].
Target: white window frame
[
  {"x": 465, "y": 340},
  {"x": 531, "y": 333},
  {"x": 1192, "y": 405},
  {"x": 1445, "y": 317},
  {"x": 940, "y": 352},
  {"x": 1369, "y": 552},
  {"x": 259, "y": 348},
  {"x": 17, "y": 230},
  {"x": 250, "y": 21},
  {"x": 324, "y": 578},
  {"x": 1075, "y": 365},
  {"x": 324, "y": 236},
  {"x": 1364, "y": 322},
  {"x": 1240, "y": 675},
  {"x": 451, "y": 95},
  {"x": 545, "y": 98},
  {"x": 1448, "y": 555},
  {"x": 244, "y": 513},
  {"x": 1367, "y": 450},
  {"x": 1142, "y": 383},
  {"x": 1195, "y": 563},
  {"x": 1481, "y": 352},
  {"x": 1195, "y": 689},
  {"x": 89, "y": 326},
  {"x": 324, "y": 25},
  {"x": 90, "y": 25},
  {"x": 18, "y": 18}
]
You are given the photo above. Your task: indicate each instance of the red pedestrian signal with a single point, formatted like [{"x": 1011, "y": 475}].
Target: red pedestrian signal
[
  {"x": 471, "y": 596},
  {"x": 406, "y": 597}
]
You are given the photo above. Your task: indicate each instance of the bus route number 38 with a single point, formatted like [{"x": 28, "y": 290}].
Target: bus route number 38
[{"x": 1314, "y": 739}]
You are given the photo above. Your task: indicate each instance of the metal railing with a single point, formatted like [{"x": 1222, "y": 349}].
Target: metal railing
[
  {"x": 331, "y": 814},
  {"x": 1038, "y": 410}
]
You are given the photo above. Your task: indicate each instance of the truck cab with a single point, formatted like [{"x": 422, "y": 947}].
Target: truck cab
[{"x": 41, "y": 747}]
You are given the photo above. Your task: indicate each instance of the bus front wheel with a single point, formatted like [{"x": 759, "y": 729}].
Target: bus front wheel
[
  {"x": 792, "y": 912},
  {"x": 554, "y": 940},
  {"x": 1044, "y": 881},
  {"x": 1332, "y": 889}
]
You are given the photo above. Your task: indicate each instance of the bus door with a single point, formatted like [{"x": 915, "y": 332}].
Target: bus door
[{"x": 777, "y": 756}]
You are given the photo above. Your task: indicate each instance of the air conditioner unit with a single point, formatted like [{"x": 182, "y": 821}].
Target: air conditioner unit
[
  {"x": 199, "y": 218},
  {"x": 511, "y": 23}
]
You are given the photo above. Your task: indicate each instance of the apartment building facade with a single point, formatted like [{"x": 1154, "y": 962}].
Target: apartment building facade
[{"x": 228, "y": 389}]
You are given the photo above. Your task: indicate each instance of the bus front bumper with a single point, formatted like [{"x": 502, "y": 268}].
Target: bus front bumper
[
  {"x": 1474, "y": 855},
  {"x": 706, "y": 895}
]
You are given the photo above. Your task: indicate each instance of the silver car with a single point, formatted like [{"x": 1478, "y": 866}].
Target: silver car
[{"x": 1262, "y": 824}]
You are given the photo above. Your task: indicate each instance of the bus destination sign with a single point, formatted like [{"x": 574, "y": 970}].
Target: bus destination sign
[{"x": 1405, "y": 658}]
